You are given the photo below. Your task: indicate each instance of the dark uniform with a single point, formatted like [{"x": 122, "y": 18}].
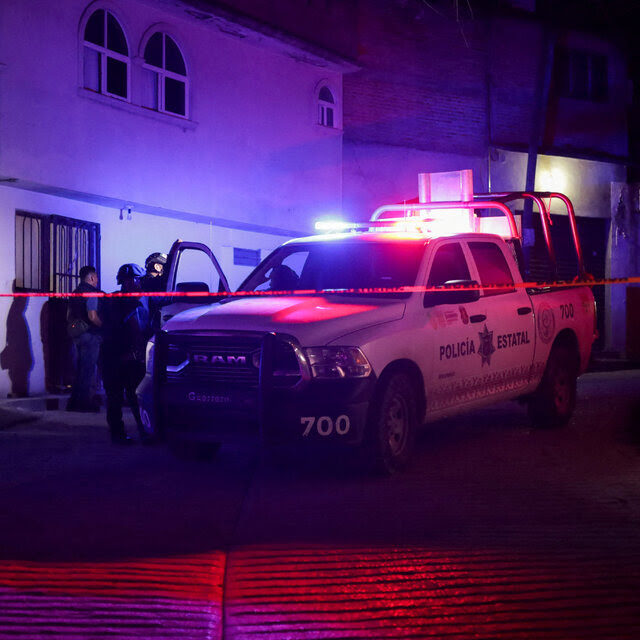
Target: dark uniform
[
  {"x": 155, "y": 279},
  {"x": 87, "y": 349},
  {"x": 126, "y": 331}
]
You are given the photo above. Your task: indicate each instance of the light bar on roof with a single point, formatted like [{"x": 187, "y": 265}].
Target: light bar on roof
[
  {"x": 432, "y": 219},
  {"x": 333, "y": 226},
  {"x": 440, "y": 213}
]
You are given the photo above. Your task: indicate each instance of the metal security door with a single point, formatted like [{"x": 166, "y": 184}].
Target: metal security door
[{"x": 70, "y": 244}]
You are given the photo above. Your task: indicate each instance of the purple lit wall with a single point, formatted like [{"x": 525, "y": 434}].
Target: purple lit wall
[{"x": 248, "y": 167}]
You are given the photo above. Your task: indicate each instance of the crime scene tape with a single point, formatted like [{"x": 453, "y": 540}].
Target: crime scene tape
[{"x": 557, "y": 284}]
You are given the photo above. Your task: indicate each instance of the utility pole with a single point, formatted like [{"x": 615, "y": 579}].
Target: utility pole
[{"x": 538, "y": 124}]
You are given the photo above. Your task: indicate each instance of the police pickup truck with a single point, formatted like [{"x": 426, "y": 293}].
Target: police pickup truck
[{"x": 360, "y": 337}]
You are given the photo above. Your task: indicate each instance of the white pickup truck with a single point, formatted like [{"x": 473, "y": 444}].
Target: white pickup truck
[{"x": 360, "y": 337}]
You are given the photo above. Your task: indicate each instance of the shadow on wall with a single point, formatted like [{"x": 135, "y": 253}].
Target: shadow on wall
[
  {"x": 17, "y": 356},
  {"x": 57, "y": 348}
]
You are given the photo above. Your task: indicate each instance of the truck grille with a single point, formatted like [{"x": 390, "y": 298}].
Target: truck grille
[{"x": 232, "y": 360}]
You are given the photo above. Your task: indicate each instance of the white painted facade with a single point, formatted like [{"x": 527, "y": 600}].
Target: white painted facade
[{"x": 248, "y": 167}]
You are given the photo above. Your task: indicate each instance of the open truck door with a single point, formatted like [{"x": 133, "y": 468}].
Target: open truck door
[{"x": 191, "y": 267}]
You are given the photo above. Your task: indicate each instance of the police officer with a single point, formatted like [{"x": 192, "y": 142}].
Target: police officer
[
  {"x": 83, "y": 316},
  {"x": 126, "y": 331},
  {"x": 155, "y": 279},
  {"x": 283, "y": 278}
]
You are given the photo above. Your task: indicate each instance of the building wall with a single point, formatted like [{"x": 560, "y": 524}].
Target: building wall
[
  {"x": 593, "y": 126},
  {"x": 251, "y": 136},
  {"x": 248, "y": 168},
  {"x": 463, "y": 94},
  {"x": 417, "y": 104},
  {"x": 382, "y": 174},
  {"x": 586, "y": 182},
  {"x": 516, "y": 50},
  {"x": 624, "y": 244},
  {"x": 422, "y": 83}
]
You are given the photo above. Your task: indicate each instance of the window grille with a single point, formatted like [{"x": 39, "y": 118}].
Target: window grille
[{"x": 51, "y": 250}]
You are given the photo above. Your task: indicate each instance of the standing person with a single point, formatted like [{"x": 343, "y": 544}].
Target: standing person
[
  {"x": 155, "y": 279},
  {"x": 83, "y": 325},
  {"x": 126, "y": 331}
]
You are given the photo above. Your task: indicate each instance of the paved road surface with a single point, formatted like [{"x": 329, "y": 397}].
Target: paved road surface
[{"x": 497, "y": 531}]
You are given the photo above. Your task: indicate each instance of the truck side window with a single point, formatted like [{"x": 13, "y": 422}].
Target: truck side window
[
  {"x": 492, "y": 267},
  {"x": 196, "y": 272},
  {"x": 449, "y": 263}
]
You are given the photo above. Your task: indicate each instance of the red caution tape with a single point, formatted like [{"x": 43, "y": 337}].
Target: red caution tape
[{"x": 592, "y": 282}]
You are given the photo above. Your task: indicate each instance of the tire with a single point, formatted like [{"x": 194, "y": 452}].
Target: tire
[
  {"x": 553, "y": 403},
  {"x": 392, "y": 424}
]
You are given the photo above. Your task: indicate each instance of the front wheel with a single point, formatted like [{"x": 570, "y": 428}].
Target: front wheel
[
  {"x": 392, "y": 424},
  {"x": 553, "y": 403}
]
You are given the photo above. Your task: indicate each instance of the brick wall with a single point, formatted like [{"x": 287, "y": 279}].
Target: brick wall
[
  {"x": 433, "y": 83},
  {"x": 422, "y": 82}
]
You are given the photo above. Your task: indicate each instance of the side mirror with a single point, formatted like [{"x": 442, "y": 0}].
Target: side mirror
[{"x": 468, "y": 291}]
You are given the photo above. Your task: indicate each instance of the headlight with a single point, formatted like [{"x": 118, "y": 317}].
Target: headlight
[
  {"x": 338, "y": 362},
  {"x": 148, "y": 356}
]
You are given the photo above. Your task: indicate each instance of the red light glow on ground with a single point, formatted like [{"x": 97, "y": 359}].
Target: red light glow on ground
[{"x": 326, "y": 592}]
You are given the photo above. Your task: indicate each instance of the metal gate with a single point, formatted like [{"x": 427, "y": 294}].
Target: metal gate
[{"x": 50, "y": 251}]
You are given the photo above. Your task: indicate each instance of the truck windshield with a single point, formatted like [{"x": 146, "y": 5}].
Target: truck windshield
[{"x": 342, "y": 267}]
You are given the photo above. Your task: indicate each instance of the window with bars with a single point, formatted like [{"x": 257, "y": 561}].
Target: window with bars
[{"x": 51, "y": 250}]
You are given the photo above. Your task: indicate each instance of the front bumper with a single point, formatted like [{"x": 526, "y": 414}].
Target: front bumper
[{"x": 312, "y": 411}]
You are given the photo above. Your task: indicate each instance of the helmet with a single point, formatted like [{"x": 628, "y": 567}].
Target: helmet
[
  {"x": 129, "y": 271},
  {"x": 153, "y": 259}
]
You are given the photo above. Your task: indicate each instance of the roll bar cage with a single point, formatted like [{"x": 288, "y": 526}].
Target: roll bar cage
[{"x": 495, "y": 201}]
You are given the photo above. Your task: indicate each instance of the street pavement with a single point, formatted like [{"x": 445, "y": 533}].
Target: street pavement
[{"x": 496, "y": 531}]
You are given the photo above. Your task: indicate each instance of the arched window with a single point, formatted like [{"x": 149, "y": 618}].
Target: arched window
[
  {"x": 326, "y": 106},
  {"x": 166, "y": 83},
  {"x": 106, "y": 55}
]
